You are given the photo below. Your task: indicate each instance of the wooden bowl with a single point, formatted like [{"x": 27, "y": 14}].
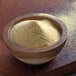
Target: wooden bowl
[{"x": 36, "y": 56}]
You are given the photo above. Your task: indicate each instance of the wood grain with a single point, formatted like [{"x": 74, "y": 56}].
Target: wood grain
[{"x": 65, "y": 62}]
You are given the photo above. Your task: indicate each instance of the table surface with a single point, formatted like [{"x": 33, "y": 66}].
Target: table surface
[{"x": 65, "y": 62}]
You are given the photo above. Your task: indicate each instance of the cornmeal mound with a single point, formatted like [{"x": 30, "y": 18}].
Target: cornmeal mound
[{"x": 34, "y": 33}]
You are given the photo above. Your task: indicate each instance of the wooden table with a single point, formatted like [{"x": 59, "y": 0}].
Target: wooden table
[{"x": 65, "y": 62}]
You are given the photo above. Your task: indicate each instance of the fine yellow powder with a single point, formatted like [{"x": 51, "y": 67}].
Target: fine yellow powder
[{"x": 34, "y": 33}]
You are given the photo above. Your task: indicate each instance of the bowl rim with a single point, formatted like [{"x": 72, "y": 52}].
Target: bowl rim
[{"x": 39, "y": 50}]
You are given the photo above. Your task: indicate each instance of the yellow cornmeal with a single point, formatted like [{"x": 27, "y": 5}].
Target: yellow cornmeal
[{"x": 34, "y": 33}]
